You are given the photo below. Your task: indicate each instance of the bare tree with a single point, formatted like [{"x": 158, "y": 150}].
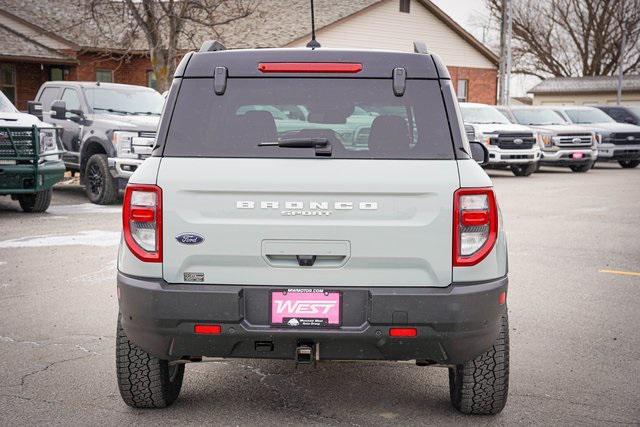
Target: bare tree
[
  {"x": 573, "y": 37},
  {"x": 164, "y": 28}
]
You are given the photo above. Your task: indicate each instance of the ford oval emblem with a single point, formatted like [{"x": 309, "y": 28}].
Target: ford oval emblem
[{"x": 189, "y": 239}]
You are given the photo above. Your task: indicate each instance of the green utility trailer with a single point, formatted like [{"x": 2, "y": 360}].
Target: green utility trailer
[{"x": 29, "y": 170}]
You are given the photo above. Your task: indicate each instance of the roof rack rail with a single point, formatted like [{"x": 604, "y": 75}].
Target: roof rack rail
[
  {"x": 420, "y": 47},
  {"x": 212, "y": 46}
]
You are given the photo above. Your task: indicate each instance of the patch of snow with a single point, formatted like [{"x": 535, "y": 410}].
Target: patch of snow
[{"x": 83, "y": 238}]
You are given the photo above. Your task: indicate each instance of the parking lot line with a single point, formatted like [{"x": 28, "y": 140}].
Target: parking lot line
[{"x": 620, "y": 272}]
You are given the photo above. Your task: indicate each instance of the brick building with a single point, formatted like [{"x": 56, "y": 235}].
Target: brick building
[{"x": 44, "y": 40}]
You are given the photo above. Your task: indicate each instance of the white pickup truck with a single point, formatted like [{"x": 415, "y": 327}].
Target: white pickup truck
[{"x": 510, "y": 145}]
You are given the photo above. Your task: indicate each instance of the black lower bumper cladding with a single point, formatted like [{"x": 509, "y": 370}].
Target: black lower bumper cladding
[{"x": 453, "y": 324}]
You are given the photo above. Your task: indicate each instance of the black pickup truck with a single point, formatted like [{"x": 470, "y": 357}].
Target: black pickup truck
[{"x": 108, "y": 130}]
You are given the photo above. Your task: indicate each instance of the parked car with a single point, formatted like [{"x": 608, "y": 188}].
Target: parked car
[
  {"x": 510, "y": 145},
  {"x": 622, "y": 113},
  {"x": 108, "y": 130},
  {"x": 563, "y": 144},
  {"x": 617, "y": 141},
  {"x": 245, "y": 240},
  {"x": 30, "y": 162}
]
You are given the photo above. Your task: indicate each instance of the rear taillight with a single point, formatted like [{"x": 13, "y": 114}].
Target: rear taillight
[
  {"x": 475, "y": 225},
  {"x": 142, "y": 221}
]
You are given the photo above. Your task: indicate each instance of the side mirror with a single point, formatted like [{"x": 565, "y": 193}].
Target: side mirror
[
  {"x": 59, "y": 110},
  {"x": 35, "y": 109},
  {"x": 479, "y": 152},
  {"x": 78, "y": 116}
]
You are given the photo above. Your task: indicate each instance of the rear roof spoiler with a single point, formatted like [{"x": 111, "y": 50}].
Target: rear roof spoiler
[
  {"x": 245, "y": 63},
  {"x": 212, "y": 46},
  {"x": 420, "y": 47}
]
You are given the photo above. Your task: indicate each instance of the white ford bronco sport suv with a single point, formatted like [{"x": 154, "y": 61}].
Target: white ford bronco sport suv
[{"x": 246, "y": 236}]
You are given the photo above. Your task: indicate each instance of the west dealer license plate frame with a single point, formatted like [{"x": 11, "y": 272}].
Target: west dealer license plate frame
[{"x": 318, "y": 309}]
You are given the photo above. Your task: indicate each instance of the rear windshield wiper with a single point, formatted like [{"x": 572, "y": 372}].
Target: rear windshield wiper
[
  {"x": 296, "y": 143},
  {"x": 322, "y": 146}
]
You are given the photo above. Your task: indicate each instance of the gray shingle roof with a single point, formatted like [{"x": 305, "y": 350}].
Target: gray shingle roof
[
  {"x": 561, "y": 85},
  {"x": 18, "y": 46},
  {"x": 274, "y": 23}
]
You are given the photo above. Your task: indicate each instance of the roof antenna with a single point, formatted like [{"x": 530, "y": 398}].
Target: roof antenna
[{"x": 313, "y": 44}]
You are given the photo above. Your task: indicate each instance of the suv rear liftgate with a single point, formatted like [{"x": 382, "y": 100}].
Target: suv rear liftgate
[{"x": 306, "y": 204}]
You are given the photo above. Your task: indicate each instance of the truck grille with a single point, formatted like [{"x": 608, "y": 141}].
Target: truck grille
[
  {"x": 625, "y": 138},
  {"x": 573, "y": 140},
  {"x": 471, "y": 133},
  {"x": 514, "y": 141},
  {"x": 144, "y": 144},
  {"x": 22, "y": 146}
]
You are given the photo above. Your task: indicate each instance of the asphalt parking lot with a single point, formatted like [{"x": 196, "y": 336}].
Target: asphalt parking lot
[{"x": 573, "y": 303}]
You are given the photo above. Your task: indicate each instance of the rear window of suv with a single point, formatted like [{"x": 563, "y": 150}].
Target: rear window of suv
[{"x": 361, "y": 118}]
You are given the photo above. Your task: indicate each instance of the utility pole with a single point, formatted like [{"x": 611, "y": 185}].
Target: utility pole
[
  {"x": 623, "y": 41},
  {"x": 505, "y": 54}
]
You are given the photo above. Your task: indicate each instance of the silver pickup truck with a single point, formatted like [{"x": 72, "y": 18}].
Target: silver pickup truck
[
  {"x": 618, "y": 142},
  {"x": 563, "y": 144}
]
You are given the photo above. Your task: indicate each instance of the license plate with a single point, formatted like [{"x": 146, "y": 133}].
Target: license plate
[
  {"x": 577, "y": 155},
  {"x": 306, "y": 308}
]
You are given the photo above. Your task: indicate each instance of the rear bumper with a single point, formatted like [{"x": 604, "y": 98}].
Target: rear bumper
[{"x": 454, "y": 324}]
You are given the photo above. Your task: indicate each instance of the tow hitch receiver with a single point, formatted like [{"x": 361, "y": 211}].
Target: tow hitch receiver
[{"x": 305, "y": 354}]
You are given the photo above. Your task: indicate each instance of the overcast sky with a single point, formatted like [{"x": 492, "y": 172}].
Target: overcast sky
[
  {"x": 464, "y": 13},
  {"x": 469, "y": 14}
]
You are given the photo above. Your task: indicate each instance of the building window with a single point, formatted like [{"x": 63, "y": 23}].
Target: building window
[
  {"x": 8, "y": 81},
  {"x": 152, "y": 82},
  {"x": 105, "y": 76},
  {"x": 462, "y": 90},
  {"x": 56, "y": 74},
  {"x": 405, "y": 6}
]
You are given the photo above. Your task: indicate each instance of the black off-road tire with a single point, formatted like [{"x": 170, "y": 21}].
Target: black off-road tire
[
  {"x": 629, "y": 164},
  {"x": 37, "y": 202},
  {"x": 582, "y": 168},
  {"x": 480, "y": 386},
  {"x": 99, "y": 184},
  {"x": 524, "y": 170},
  {"x": 144, "y": 380}
]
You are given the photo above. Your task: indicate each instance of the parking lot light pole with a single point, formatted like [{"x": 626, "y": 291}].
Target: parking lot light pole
[
  {"x": 505, "y": 54},
  {"x": 621, "y": 68}
]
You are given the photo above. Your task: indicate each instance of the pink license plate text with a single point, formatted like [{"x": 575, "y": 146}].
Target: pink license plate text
[{"x": 304, "y": 307}]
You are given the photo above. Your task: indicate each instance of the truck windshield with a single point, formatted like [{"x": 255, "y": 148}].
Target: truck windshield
[
  {"x": 482, "y": 115},
  {"x": 588, "y": 115},
  {"x": 5, "y": 105},
  {"x": 635, "y": 110},
  {"x": 360, "y": 118},
  {"x": 537, "y": 117},
  {"x": 124, "y": 101}
]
